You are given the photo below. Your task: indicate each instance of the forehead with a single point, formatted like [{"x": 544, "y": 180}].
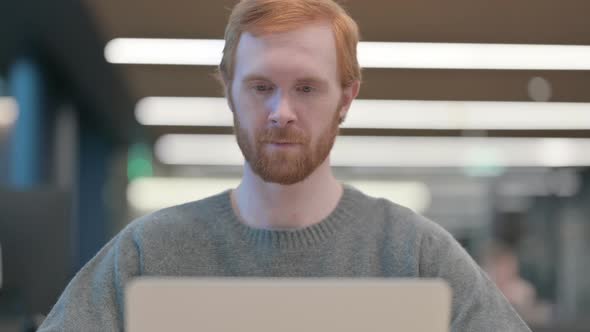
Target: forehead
[{"x": 306, "y": 51}]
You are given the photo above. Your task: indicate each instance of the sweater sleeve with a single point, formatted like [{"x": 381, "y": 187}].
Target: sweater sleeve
[
  {"x": 93, "y": 300},
  {"x": 477, "y": 304}
]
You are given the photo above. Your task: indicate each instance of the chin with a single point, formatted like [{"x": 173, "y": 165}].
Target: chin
[{"x": 285, "y": 179}]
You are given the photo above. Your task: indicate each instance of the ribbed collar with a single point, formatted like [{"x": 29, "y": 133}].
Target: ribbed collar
[{"x": 342, "y": 216}]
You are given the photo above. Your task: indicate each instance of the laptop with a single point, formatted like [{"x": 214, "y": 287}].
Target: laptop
[{"x": 287, "y": 305}]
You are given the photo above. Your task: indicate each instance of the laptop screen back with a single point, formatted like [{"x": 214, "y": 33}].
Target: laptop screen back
[{"x": 288, "y": 305}]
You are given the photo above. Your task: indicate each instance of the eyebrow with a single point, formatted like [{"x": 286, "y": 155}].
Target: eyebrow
[
  {"x": 255, "y": 77},
  {"x": 303, "y": 80},
  {"x": 313, "y": 80}
]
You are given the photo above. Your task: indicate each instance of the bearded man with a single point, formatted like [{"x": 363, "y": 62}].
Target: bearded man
[{"x": 290, "y": 73}]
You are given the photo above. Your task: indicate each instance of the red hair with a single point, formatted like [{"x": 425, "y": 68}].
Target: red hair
[{"x": 268, "y": 16}]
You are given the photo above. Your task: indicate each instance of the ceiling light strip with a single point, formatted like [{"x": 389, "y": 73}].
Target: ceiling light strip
[
  {"x": 207, "y": 52},
  {"x": 388, "y": 114},
  {"x": 376, "y": 151}
]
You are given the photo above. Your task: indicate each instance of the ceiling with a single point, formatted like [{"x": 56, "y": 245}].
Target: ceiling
[
  {"x": 501, "y": 21},
  {"x": 473, "y": 21}
]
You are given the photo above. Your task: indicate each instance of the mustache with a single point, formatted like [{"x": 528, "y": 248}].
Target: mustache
[{"x": 291, "y": 135}]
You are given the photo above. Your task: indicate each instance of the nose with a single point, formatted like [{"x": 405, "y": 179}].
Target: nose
[{"x": 281, "y": 111}]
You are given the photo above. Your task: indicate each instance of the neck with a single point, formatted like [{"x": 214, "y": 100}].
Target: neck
[{"x": 266, "y": 205}]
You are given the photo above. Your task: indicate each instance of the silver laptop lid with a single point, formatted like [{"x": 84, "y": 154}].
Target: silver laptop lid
[{"x": 289, "y": 305}]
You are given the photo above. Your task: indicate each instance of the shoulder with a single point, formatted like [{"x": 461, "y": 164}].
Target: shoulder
[
  {"x": 391, "y": 215},
  {"x": 187, "y": 218}
]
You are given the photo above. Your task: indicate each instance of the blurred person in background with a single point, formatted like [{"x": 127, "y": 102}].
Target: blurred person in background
[
  {"x": 290, "y": 73},
  {"x": 502, "y": 265}
]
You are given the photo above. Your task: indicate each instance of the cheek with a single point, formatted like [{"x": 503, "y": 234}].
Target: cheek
[
  {"x": 322, "y": 114},
  {"x": 249, "y": 126},
  {"x": 250, "y": 122},
  {"x": 246, "y": 112}
]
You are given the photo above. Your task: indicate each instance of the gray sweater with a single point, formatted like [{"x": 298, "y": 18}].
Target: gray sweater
[{"x": 362, "y": 237}]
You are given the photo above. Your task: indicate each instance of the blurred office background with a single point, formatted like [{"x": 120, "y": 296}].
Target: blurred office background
[{"x": 476, "y": 114}]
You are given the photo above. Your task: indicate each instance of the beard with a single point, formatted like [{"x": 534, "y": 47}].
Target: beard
[{"x": 290, "y": 165}]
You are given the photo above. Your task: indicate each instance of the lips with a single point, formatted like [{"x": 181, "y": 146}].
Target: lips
[{"x": 282, "y": 144}]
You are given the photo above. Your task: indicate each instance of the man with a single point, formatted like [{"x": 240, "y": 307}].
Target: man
[{"x": 290, "y": 73}]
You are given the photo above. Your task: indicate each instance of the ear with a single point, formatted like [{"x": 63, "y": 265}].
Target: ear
[{"x": 349, "y": 93}]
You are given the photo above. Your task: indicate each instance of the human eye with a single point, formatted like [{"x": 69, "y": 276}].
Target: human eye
[
  {"x": 262, "y": 87},
  {"x": 305, "y": 89}
]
